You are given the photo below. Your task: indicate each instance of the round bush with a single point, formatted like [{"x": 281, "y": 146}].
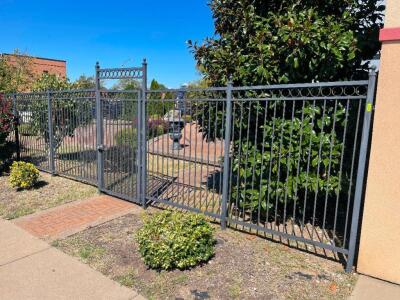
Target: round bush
[
  {"x": 23, "y": 175},
  {"x": 171, "y": 240}
]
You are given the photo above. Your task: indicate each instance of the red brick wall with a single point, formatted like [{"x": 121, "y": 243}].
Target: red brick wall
[
  {"x": 51, "y": 66},
  {"x": 43, "y": 65}
]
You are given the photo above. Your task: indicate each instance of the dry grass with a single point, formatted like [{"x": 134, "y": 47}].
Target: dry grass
[
  {"x": 49, "y": 192},
  {"x": 244, "y": 267},
  {"x": 167, "y": 166}
]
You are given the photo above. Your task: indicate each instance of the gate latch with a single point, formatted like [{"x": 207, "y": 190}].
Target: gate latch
[{"x": 100, "y": 148}]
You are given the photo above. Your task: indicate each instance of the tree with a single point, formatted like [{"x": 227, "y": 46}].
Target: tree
[
  {"x": 69, "y": 109},
  {"x": 126, "y": 84},
  {"x": 50, "y": 82},
  {"x": 84, "y": 83},
  {"x": 159, "y": 108},
  {"x": 267, "y": 42},
  {"x": 15, "y": 73}
]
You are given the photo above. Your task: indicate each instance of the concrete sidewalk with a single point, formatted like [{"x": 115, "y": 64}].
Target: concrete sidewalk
[
  {"x": 368, "y": 288},
  {"x": 31, "y": 269}
]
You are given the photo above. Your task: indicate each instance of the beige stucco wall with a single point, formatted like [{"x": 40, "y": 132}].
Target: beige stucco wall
[
  {"x": 379, "y": 252},
  {"x": 392, "y": 14}
]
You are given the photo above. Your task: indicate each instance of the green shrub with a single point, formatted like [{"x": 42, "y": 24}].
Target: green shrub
[
  {"x": 127, "y": 136},
  {"x": 27, "y": 130},
  {"x": 23, "y": 175},
  {"x": 170, "y": 240}
]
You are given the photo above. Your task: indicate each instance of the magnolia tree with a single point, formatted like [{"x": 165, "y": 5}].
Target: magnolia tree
[{"x": 268, "y": 42}]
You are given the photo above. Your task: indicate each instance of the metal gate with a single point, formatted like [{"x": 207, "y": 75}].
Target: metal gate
[
  {"x": 119, "y": 134},
  {"x": 287, "y": 161}
]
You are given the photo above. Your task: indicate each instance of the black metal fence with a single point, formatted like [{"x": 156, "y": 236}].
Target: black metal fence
[{"x": 286, "y": 161}]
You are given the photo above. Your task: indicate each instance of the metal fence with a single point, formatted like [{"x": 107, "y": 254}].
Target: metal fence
[{"x": 285, "y": 161}]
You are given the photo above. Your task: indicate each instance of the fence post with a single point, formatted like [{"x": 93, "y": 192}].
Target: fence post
[
  {"x": 361, "y": 169},
  {"x": 99, "y": 133},
  {"x": 143, "y": 144},
  {"x": 50, "y": 131},
  {"x": 225, "y": 174},
  {"x": 16, "y": 124}
]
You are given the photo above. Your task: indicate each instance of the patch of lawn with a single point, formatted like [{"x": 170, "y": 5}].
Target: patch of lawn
[
  {"x": 127, "y": 279},
  {"x": 50, "y": 191},
  {"x": 90, "y": 252}
]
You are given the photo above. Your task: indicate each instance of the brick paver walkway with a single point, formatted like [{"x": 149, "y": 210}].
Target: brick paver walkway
[{"x": 70, "y": 218}]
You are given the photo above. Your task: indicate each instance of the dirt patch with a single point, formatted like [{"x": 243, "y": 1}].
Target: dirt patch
[
  {"x": 49, "y": 192},
  {"x": 244, "y": 267}
]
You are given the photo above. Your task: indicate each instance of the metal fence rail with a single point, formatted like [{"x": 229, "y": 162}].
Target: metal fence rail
[{"x": 287, "y": 161}]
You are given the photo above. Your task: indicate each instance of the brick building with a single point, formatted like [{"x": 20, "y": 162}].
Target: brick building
[{"x": 42, "y": 65}]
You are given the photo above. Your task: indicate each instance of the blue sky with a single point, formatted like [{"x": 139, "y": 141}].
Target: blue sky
[{"x": 115, "y": 33}]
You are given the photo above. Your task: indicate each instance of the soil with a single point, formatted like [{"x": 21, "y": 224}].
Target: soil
[{"x": 244, "y": 266}]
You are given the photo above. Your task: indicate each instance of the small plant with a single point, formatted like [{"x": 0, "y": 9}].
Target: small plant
[
  {"x": 171, "y": 240},
  {"x": 23, "y": 175}
]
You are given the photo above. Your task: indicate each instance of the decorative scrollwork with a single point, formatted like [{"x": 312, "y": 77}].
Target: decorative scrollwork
[{"x": 120, "y": 73}]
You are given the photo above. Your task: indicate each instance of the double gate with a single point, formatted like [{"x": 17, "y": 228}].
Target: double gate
[{"x": 287, "y": 161}]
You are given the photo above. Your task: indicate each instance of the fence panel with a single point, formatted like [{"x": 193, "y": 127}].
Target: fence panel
[
  {"x": 74, "y": 134},
  {"x": 294, "y": 158},
  {"x": 184, "y": 165},
  {"x": 33, "y": 128}
]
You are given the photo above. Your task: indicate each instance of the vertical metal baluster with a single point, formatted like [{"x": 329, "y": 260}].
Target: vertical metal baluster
[
  {"x": 214, "y": 169},
  {"x": 139, "y": 147},
  {"x": 190, "y": 155},
  {"x": 338, "y": 190},
  {"x": 300, "y": 157},
  {"x": 271, "y": 161},
  {"x": 50, "y": 131},
  {"x": 262, "y": 164},
  {"x": 253, "y": 179},
  {"x": 16, "y": 122},
  {"x": 143, "y": 133},
  {"x": 196, "y": 124},
  {"x": 361, "y": 168},
  {"x": 227, "y": 139},
  {"x": 317, "y": 175},
  {"x": 239, "y": 160},
  {"x": 308, "y": 170},
  {"x": 208, "y": 152},
  {"x": 247, "y": 160},
  {"x": 99, "y": 133},
  {"x": 278, "y": 196},
  {"x": 219, "y": 139},
  {"x": 288, "y": 165},
  {"x": 332, "y": 141}
]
